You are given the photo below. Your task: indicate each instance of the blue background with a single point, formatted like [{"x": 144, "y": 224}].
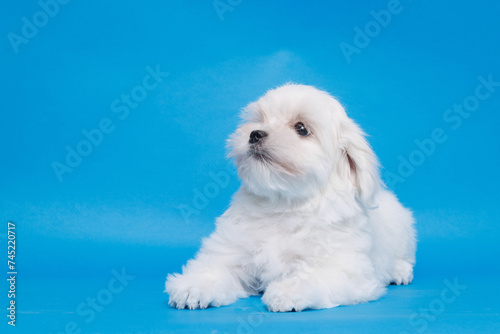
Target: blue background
[{"x": 120, "y": 207}]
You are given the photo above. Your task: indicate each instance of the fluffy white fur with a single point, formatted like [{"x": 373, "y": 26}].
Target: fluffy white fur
[{"x": 312, "y": 225}]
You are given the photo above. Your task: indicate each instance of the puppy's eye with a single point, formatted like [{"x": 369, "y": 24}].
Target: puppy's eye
[{"x": 301, "y": 129}]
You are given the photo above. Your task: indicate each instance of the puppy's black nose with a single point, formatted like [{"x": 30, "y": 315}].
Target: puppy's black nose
[{"x": 256, "y": 135}]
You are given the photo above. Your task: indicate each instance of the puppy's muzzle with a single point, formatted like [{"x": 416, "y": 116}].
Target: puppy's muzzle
[{"x": 256, "y": 135}]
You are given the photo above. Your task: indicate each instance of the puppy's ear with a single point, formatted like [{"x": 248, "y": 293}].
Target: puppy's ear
[{"x": 358, "y": 163}]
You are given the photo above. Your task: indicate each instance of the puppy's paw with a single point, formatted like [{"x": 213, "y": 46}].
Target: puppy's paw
[
  {"x": 402, "y": 273},
  {"x": 187, "y": 292},
  {"x": 198, "y": 292},
  {"x": 284, "y": 296}
]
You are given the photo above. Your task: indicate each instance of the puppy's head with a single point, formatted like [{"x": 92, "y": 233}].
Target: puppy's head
[{"x": 297, "y": 141}]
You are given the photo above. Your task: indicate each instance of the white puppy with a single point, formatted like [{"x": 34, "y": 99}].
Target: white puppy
[{"x": 312, "y": 225}]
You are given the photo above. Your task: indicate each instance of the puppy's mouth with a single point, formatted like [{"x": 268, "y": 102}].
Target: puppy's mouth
[{"x": 257, "y": 153}]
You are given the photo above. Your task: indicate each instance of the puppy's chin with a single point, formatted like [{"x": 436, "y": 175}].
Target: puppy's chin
[{"x": 265, "y": 174}]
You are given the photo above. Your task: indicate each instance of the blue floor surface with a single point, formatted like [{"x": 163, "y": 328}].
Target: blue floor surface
[
  {"x": 430, "y": 304},
  {"x": 447, "y": 296}
]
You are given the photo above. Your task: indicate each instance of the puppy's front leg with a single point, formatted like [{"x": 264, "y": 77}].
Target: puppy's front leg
[
  {"x": 208, "y": 280},
  {"x": 325, "y": 286}
]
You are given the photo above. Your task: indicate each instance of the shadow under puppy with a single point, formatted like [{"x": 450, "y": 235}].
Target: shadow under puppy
[{"x": 312, "y": 225}]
